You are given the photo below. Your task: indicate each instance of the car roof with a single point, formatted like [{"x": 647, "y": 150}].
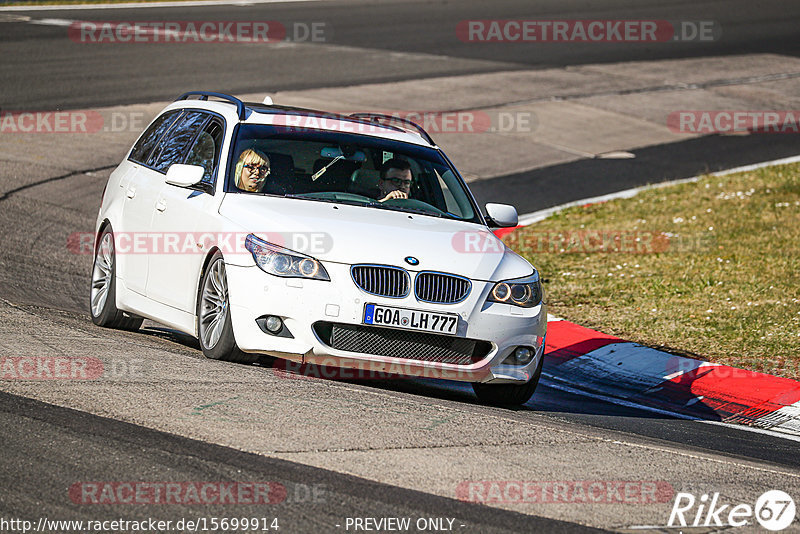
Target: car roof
[{"x": 373, "y": 124}]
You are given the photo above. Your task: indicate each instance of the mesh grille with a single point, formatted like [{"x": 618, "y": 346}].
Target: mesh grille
[
  {"x": 441, "y": 288},
  {"x": 381, "y": 280},
  {"x": 402, "y": 343}
]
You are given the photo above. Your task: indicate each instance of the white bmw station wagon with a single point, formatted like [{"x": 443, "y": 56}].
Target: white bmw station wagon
[{"x": 344, "y": 241}]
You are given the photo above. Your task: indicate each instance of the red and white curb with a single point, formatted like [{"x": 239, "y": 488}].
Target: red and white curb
[
  {"x": 584, "y": 361},
  {"x": 594, "y": 362}
]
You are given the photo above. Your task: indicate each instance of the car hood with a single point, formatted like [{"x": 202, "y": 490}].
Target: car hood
[{"x": 353, "y": 234}]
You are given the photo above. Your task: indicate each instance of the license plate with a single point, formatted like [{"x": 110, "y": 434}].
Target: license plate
[{"x": 440, "y": 323}]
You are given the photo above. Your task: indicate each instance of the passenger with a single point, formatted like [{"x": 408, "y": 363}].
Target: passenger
[
  {"x": 396, "y": 179},
  {"x": 252, "y": 170}
]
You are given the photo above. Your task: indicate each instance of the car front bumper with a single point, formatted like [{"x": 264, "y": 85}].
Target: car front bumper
[{"x": 302, "y": 303}]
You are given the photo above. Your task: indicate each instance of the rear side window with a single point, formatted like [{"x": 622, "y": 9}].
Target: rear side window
[
  {"x": 173, "y": 146},
  {"x": 206, "y": 148},
  {"x": 143, "y": 147}
]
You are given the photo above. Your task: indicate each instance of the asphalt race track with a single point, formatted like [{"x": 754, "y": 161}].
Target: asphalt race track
[
  {"x": 40, "y": 68},
  {"x": 369, "y": 449}
]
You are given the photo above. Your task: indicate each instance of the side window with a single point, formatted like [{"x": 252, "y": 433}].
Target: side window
[
  {"x": 143, "y": 147},
  {"x": 206, "y": 148},
  {"x": 174, "y": 144}
]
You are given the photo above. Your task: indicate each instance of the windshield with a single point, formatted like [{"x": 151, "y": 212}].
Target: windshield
[{"x": 349, "y": 169}]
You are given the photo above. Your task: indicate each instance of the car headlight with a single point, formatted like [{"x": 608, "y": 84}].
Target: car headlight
[
  {"x": 283, "y": 262},
  {"x": 523, "y": 292}
]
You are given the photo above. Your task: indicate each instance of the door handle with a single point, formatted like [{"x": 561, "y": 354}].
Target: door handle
[
  {"x": 161, "y": 205},
  {"x": 131, "y": 192}
]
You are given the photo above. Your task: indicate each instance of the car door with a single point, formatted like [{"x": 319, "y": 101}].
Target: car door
[
  {"x": 141, "y": 186},
  {"x": 182, "y": 215}
]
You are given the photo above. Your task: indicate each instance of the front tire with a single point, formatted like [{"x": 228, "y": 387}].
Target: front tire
[
  {"x": 214, "y": 328},
  {"x": 509, "y": 394},
  {"x": 103, "y": 295}
]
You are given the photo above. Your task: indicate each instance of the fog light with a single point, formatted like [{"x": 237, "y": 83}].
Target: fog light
[
  {"x": 274, "y": 324},
  {"x": 523, "y": 355}
]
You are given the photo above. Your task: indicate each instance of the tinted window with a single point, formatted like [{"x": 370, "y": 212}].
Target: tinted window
[
  {"x": 206, "y": 148},
  {"x": 173, "y": 145},
  {"x": 143, "y": 147},
  {"x": 347, "y": 168}
]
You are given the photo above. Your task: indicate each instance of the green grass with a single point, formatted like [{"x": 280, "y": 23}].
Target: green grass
[{"x": 715, "y": 273}]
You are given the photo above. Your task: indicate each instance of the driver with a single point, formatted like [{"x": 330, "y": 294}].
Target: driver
[
  {"x": 252, "y": 170},
  {"x": 396, "y": 179}
]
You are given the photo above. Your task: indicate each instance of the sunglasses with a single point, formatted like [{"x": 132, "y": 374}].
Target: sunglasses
[
  {"x": 257, "y": 169},
  {"x": 399, "y": 182}
]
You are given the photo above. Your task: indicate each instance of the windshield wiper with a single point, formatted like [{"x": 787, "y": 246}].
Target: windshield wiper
[
  {"x": 348, "y": 201},
  {"x": 372, "y": 204},
  {"x": 407, "y": 210}
]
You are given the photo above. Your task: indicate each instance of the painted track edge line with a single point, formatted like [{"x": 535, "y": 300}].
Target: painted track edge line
[
  {"x": 540, "y": 215},
  {"x": 140, "y": 5},
  {"x": 648, "y": 378},
  {"x": 531, "y": 218},
  {"x": 554, "y": 383}
]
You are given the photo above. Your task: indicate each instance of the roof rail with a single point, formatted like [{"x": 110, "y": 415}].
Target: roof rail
[
  {"x": 378, "y": 117},
  {"x": 240, "y": 109},
  {"x": 306, "y": 112}
]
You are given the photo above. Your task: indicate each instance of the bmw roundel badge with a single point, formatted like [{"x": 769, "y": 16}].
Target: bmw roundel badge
[{"x": 411, "y": 260}]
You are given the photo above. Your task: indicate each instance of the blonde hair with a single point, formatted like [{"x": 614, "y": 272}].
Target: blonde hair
[{"x": 249, "y": 155}]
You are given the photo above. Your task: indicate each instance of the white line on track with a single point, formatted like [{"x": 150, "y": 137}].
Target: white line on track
[
  {"x": 143, "y": 5},
  {"x": 51, "y": 22},
  {"x": 554, "y": 383},
  {"x": 168, "y": 35},
  {"x": 540, "y": 215},
  {"x": 536, "y": 216}
]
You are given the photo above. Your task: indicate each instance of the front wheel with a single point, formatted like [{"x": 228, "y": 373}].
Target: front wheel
[
  {"x": 102, "y": 298},
  {"x": 214, "y": 328},
  {"x": 508, "y": 394}
]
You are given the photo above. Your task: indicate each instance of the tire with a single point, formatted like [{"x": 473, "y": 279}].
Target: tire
[
  {"x": 102, "y": 295},
  {"x": 214, "y": 328},
  {"x": 508, "y": 394}
]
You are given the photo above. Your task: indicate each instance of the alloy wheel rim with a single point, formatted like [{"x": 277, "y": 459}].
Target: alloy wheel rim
[
  {"x": 102, "y": 273},
  {"x": 214, "y": 305}
]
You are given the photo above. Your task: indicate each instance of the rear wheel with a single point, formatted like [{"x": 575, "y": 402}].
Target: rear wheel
[
  {"x": 508, "y": 394},
  {"x": 103, "y": 299},
  {"x": 214, "y": 328}
]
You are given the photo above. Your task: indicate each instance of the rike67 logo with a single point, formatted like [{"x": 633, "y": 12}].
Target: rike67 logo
[{"x": 774, "y": 510}]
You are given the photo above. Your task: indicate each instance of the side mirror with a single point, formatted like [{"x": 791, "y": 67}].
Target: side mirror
[
  {"x": 184, "y": 175},
  {"x": 501, "y": 215}
]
